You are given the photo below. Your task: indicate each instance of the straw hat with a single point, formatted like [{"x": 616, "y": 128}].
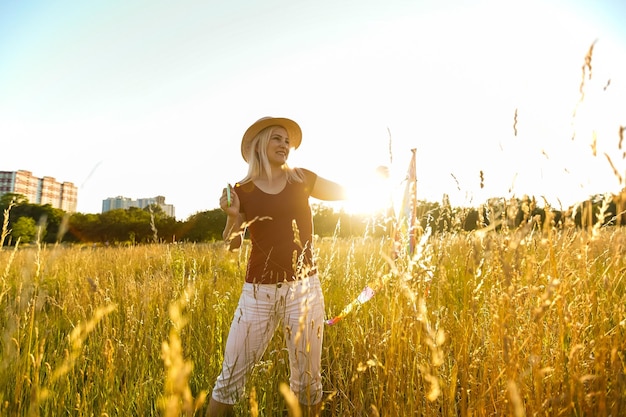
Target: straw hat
[{"x": 293, "y": 132}]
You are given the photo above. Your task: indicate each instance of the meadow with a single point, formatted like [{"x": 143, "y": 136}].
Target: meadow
[{"x": 520, "y": 322}]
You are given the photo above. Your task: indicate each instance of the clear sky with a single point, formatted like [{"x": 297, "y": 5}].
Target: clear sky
[{"x": 144, "y": 98}]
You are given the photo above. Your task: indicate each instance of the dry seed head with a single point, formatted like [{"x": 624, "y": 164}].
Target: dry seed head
[
  {"x": 435, "y": 390},
  {"x": 293, "y": 406},
  {"x": 586, "y": 70},
  {"x": 296, "y": 233},
  {"x": 458, "y": 186},
  {"x": 516, "y": 399},
  {"x": 440, "y": 338},
  {"x": 254, "y": 405},
  {"x": 615, "y": 171},
  {"x": 594, "y": 143}
]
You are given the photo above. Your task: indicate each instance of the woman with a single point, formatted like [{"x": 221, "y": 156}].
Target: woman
[{"x": 281, "y": 286}]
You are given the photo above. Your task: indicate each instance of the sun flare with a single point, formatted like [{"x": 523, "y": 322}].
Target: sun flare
[{"x": 370, "y": 195}]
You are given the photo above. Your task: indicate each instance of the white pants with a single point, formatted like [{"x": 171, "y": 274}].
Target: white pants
[{"x": 299, "y": 307}]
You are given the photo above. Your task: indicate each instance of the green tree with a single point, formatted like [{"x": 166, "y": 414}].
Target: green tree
[
  {"x": 83, "y": 228},
  {"x": 203, "y": 226},
  {"x": 166, "y": 226},
  {"x": 17, "y": 199},
  {"x": 138, "y": 229},
  {"x": 24, "y": 229},
  {"x": 48, "y": 217},
  {"x": 324, "y": 220}
]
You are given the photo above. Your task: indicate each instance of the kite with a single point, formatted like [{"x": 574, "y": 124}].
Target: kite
[
  {"x": 363, "y": 298},
  {"x": 368, "y": 292}
]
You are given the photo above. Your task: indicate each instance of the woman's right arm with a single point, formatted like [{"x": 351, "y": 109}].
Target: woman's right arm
[
  {"x": 232, "y": 231},
  {"x": 328, "y": 190},
  {"x": 232, "y": 234}
]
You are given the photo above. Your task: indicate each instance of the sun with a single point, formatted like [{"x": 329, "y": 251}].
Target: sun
[{"x": 371, "y": 195}]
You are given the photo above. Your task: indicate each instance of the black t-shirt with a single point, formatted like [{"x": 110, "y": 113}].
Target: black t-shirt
[{"x": 281, "y": 230}]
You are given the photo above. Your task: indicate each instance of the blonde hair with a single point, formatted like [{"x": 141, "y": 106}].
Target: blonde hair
[{"x": 258, "y": 163}]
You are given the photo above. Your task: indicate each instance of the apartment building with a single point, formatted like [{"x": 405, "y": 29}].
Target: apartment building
[
  {"x": 113, "y": 203},
  {"x": 46, "y": 190}
]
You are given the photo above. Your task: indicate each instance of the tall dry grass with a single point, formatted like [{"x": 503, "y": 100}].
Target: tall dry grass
[
  {"x": 83, "y": 329},
  {"x": 522, "y": 322}
]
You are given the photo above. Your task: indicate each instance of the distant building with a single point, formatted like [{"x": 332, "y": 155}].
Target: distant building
[
  {"x": 113, "y": 203},
  {"x": 46, "y": 190},
  {"x": 118, "y": 203}
]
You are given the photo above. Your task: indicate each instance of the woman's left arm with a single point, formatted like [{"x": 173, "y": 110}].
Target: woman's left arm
[{"x": 327, "y": 190}]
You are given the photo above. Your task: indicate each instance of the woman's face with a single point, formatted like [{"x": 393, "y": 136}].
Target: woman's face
[{"x": 278, "y": 146}]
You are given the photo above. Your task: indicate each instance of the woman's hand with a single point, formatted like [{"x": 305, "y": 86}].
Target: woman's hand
[{"x": 229, "y": 201}]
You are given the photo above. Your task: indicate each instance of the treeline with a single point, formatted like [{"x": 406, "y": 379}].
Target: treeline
[
  {"x": 600, "y": 210},
  {"x": 31, "y": 222},
  {"x": 28, "y": 222}
]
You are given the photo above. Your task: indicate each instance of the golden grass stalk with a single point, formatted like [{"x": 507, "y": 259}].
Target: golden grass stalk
[
  {"x": 5, "y": 224},
  {"x": 178, "y": 399},
  {"x": 293, "y": 406},
  {"x": 77, "y": 338}
]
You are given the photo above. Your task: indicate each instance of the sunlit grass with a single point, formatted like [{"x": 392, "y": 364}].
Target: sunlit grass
[
  {"x": 514, "y": 323},
  {"x": 524, "y": 321}
]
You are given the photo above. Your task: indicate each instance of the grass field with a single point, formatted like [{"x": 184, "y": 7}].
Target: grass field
[{"x": 515, "y": 323}]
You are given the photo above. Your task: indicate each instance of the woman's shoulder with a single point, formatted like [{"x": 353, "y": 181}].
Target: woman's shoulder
[
  {"x": 304, "y": 172},
  {"x": 307, "y": 176},
  {"x": 246, "y": 186}
]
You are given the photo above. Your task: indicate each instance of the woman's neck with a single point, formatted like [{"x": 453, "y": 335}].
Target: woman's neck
[
  {"x": 278, "y": 173},
  {"x": 273, "y": 186}
]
